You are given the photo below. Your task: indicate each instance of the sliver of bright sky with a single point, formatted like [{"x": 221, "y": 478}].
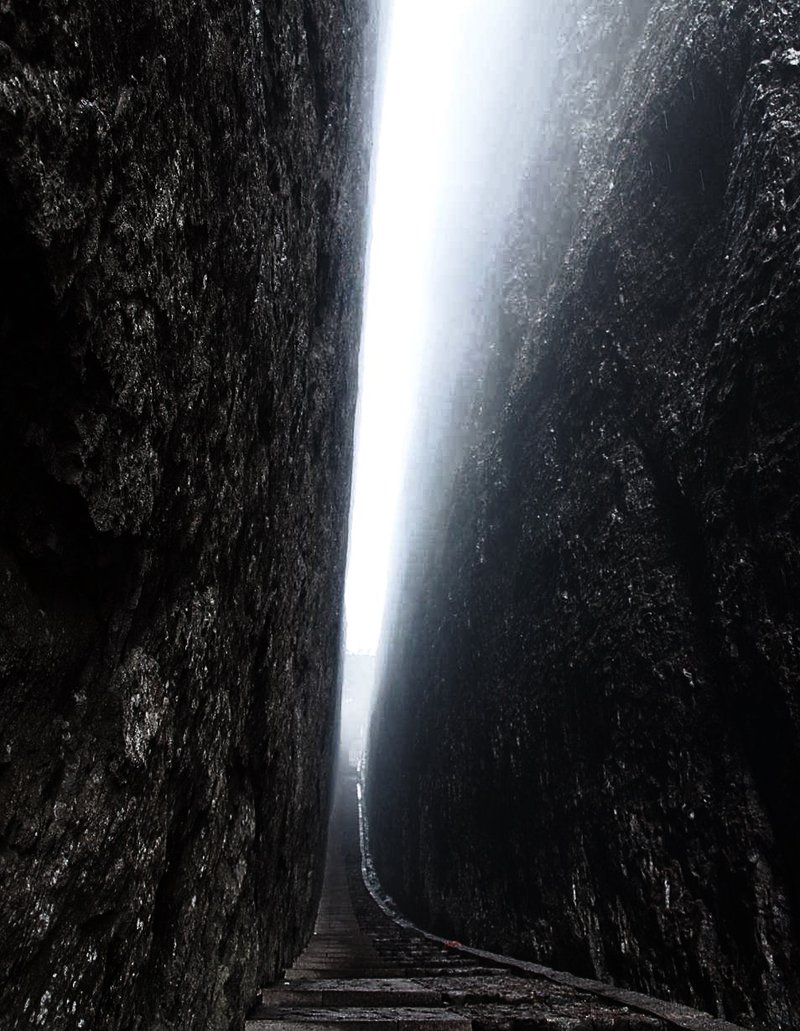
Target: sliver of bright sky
[
  {"x": 410, "y": 142},
  {"x": 450, "y": 141}
]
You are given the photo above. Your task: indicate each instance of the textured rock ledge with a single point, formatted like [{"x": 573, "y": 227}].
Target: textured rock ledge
[
  {"x": 587, "y": 749},
  {"x": 182, "y": 199}
]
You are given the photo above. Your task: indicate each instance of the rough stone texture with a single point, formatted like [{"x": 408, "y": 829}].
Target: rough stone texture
[
  {"x": 587, "y": 748},
  {"x": 182, "y": 199}
]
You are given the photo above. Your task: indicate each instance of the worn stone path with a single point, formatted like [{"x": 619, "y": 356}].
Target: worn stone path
[{"x": 364, "y": 970}]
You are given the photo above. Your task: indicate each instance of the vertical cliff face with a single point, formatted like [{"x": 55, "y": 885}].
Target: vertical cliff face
[
  {"x": 587, "y": 747},
  {"x": 182, "y": 198}
]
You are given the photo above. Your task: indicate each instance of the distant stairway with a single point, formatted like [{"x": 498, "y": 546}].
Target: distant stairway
[{"x": 365, "y": 971}]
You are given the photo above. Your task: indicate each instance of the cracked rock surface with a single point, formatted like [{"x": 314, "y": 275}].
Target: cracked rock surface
[{"x": 182, "y": 202}]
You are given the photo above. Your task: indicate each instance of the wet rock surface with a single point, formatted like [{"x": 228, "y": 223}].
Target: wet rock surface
[
  {"x": 587, "y": 747},
  {"x": 182, "y": 202}
]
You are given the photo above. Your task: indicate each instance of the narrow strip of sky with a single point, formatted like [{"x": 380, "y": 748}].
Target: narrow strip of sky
[{"x": 410, "y": 142}]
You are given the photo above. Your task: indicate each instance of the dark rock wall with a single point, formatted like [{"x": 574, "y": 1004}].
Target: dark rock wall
[
  {"x": 587, "y": 745},
  {"x": 182, "y": 200}
]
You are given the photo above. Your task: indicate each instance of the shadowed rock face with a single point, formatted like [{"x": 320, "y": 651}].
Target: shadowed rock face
[
  {"x": 182, "y": 197},
  {"x": 587, "y": 748}
]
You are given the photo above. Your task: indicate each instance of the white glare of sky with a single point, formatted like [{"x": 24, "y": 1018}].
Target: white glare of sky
[{"x": 410, "y": 157}]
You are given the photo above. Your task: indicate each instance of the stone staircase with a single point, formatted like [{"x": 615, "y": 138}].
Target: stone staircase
[{"x": 364, "y": 970}]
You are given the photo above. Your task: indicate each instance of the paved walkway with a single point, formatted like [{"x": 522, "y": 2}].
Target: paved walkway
[
  {"x": 364, "y": 971},
  {"x": 338, "y": 947}
]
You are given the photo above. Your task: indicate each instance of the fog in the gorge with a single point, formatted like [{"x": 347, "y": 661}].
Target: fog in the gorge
[{"x": 458, "y": 129}]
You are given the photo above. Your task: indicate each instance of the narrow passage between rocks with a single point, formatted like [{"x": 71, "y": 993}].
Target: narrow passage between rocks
[{"x": 365, "y": 971}]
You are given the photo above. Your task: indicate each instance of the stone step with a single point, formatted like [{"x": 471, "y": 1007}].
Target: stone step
[
  {"x": 363, "y": 954},
  {"x": 349, "y": 1018},
  {"x": 362, "y": 992},
  {"x": 349, "y": 971},
  {"x": 344, "y": 972}
]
